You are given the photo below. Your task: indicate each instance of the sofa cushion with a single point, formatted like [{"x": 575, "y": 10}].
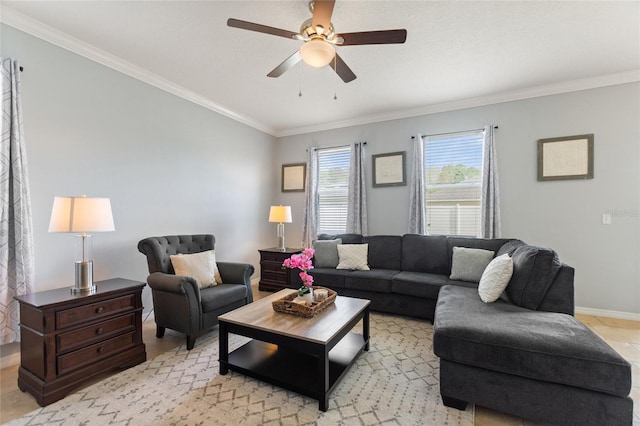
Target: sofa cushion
[
  {"x": 534, "y": 269},
  {"x": 353, "y": 256},
  {"x": 468, "y": 264},
  {"x": 346, "y": 238},
  {"x": 425, "y": 253},
  {"x": 419, "y": 284},
  {"x": 329, "y": 277},
  {"x": 545, "y": 346},
  {"x": 385, "y": 251},
  {"x": 509, "y": 247},
  {"x": 375, "y": 280},
  {"x": 326, "y": 253},
  {"x": 495, "y": 278},
  {"x": 213, "y": 298}
]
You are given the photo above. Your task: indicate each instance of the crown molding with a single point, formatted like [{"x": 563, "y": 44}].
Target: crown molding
[
  {"x": 516, "y": 95},
  {"x": 37, "y": 29}
]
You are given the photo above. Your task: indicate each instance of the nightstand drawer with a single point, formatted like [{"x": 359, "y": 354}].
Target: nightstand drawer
[
  {"x": 95, "y": 333},
  {"x": 277, "y": 277},
  {"x": 275, "y": 257},
  {"x": 273, "y": 267},
  {"x": 93, "y": 311},
  {"x": 89, "y": 355}
]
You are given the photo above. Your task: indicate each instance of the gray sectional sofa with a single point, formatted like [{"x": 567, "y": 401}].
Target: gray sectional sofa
[
  {"x": 524, "y": 354},
  {"x": 408, "y": 271}
]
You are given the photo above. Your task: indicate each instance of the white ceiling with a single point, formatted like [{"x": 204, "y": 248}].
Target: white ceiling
[{"x": 457, "y": 54}]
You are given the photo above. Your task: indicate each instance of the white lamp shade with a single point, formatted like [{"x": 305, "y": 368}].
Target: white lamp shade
[
  {"x": 317, "y": 53},
  {"x": 81, "y": 214},
  {"x": 280, "y": 214}
]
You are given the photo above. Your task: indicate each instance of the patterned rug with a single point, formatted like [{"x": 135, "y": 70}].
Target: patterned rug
[{"x": 395, "y": 383}]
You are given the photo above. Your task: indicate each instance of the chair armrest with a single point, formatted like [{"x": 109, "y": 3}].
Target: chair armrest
[
  {"x": 237, "y": 273},
  {"x": 173, "y": 283}
]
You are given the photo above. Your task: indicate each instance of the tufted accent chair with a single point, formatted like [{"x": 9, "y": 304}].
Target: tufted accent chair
[{"x": 178, "y": 302}]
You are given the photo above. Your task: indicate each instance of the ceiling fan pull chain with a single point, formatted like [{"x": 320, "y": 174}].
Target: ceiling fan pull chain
[{"x": 299, "y": 82}]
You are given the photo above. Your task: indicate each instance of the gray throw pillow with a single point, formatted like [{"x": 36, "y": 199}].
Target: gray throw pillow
[
  {"x": 468, "y": 264},
  {"x": 326, "y": 253}
]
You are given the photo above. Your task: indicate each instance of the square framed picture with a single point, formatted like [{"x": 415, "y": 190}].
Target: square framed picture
[
  {"x": 389, "y": 169},
  {"x": 293, "y": 177},
  {"x": 568, "y": 157}
]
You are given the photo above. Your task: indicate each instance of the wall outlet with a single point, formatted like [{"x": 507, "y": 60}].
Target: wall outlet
[{"x": 606, "y": 218}]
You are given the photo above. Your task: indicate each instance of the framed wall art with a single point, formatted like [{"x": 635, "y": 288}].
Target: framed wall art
[
  {"x": 293, "y": 177},
  {"x": 389, "y": 169},
  {"x": 568, "y": 157}
]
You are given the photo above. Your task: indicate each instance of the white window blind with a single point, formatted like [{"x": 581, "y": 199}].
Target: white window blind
[
  {"x": 333, "y": 186},
  {"x": 453, "y": 168}
]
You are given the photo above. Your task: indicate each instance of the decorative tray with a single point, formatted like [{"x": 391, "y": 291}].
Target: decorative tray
[{"x": 288, "y": 306}]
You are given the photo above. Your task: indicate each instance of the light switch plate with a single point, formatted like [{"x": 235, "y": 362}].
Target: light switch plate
[{"x": 606, "y": 218}]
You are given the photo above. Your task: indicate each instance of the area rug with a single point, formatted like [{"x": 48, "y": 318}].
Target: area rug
[{"x": 395, "y": 383}]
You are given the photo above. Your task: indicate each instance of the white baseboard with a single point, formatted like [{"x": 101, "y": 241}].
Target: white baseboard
[{"x": 609, "y": 314}]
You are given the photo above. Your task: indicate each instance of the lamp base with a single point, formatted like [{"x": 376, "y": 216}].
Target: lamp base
[
  {"x": 280, "y": 235},
  {"x": 84, "y": 278}
]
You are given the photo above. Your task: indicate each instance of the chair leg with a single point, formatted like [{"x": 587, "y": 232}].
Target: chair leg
[
  {"x": 190, "y": 342},
  {"x": 159, "y": 331}
]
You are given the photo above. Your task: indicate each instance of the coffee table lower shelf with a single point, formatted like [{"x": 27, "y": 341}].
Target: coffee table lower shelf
[{"x": 294, "y": 370}]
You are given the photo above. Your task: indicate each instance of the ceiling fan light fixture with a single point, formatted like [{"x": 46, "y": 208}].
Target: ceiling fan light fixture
[{"x": 317, "y": 53}]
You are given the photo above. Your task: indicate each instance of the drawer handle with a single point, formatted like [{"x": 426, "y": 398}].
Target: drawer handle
[
  {"x": 100, "y": 350},
  {"x": 99, "y": 310},
  {"x": 99, "y": 331}
]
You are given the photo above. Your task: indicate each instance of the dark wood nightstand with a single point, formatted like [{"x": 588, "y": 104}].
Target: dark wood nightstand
[
  {"x": 67, "y": 339},
  {"x": 274, "y": 276}
]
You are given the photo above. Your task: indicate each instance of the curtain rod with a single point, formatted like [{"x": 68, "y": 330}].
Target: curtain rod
[
  {"x": 453, "y": 133},
  {"x": 331, "y": 147}
]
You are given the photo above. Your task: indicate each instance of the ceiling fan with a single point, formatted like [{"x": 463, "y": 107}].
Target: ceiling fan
[{"x": 320, "y": 39}]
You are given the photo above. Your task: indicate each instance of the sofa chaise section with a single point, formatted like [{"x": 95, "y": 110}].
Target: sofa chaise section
[{"x": 546, "y": 366}]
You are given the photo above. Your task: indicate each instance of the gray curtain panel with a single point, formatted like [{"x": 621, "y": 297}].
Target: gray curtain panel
[
  {"x": 310, "y": 219},
  {"x": 417, "y": 191},
  {"x": 16, "y": 225},
  {"x": 357, "y": 198},
  {"x": 490, "y": 203}
]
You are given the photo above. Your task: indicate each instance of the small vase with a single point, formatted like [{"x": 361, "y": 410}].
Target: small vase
[{"x": 308, "y": 297}]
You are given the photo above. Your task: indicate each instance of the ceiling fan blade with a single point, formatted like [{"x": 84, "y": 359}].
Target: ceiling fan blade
[
  {"x": 342, "y": 69},
  {"x": 322, "y": 11},
  {"x": 374, "y": 37},
  {"x": 244, "y": 25},
  {"x": 284, "y": 66}
]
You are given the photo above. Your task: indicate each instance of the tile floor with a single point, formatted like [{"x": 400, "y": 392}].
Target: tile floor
[{"x": 622, "y": 335}]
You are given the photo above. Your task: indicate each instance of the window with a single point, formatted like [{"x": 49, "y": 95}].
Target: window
[
  {"x": 333, "y": 185},
  {"x": 453, "y": 168}
]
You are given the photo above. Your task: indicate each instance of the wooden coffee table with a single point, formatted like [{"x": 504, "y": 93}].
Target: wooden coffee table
[{"x": 306, "y": 355}]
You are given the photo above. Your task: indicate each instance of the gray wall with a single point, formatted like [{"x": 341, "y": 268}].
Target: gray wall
[
  {"x": 173, "y": 167},
  {"x": 169, "y": 166},
  {"x": 563, "y": 215}
]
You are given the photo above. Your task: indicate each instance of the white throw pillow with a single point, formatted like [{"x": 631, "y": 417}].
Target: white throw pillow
[
  {"x": 201, "y": 266},
  {"x": 468, "y": 264},
  {"x": 495, "y": 278},
  {"x": 353, "y": 256}
]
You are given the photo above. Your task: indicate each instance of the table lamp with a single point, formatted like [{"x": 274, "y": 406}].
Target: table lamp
[
  {"x": 81, "y": 215},
  {"x": 280, "y": 215}
]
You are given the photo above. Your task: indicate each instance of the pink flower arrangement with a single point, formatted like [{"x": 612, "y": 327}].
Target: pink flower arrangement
[{"x": 303, "y": 262}]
